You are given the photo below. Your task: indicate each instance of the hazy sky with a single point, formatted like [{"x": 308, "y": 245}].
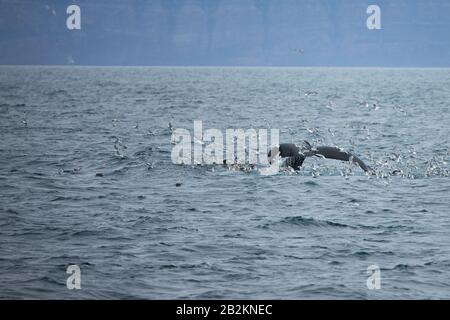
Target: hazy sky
[{"x": 226, "y": 32}]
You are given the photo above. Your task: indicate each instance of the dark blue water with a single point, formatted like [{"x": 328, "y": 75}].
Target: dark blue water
[{"x": 222, "y": 233}]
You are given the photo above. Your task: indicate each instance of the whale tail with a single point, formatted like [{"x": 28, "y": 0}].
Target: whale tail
[
  {"x": 338, "y": 154},
  {"x": 295, "y": 155}
]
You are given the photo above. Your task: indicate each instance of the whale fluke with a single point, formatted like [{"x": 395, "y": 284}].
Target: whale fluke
[
  {"x": 338, "y": 154},
  {"x": 295, "y": 155}
]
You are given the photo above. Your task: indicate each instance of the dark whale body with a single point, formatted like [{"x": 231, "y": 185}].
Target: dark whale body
[{"x": 295, "y": 155}]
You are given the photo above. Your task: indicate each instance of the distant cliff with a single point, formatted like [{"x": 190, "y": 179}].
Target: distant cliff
[{"x": 226, "y": 32}]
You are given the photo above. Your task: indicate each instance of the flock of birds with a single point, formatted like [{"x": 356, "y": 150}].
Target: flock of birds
[{"x": 403, "y": 164}]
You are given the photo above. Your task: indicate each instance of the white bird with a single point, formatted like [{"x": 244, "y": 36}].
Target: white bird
[{"x": 300, "y": 51}]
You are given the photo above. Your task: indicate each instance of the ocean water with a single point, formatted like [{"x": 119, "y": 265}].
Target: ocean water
[{"x": 86, "y": 178}]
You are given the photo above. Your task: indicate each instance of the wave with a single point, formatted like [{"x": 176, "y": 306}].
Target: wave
[{"x": 307, "y": 222}]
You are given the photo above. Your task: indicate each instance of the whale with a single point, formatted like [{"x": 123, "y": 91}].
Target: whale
[{"x": 294, "y": 155}]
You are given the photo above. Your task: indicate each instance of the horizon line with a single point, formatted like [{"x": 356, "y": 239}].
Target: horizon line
[{"x": 223, "y": 66}]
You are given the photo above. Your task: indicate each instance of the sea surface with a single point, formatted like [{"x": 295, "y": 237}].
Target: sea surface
[{"x": 86, "y": 179}]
